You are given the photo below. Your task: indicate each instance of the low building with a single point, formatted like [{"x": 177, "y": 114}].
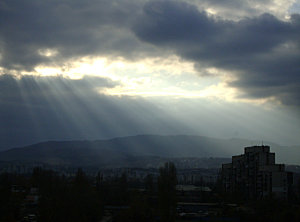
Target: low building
[{"x": 255, "y": 175}]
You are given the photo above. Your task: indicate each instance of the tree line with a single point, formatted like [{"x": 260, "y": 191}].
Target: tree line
[{"x": 85, "y": 199}]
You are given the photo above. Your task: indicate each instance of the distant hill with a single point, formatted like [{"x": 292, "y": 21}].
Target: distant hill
[{"x": 139, "y": 150}]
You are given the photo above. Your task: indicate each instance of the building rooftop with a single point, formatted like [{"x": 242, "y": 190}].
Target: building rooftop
[{"x": 254, "y": 149}]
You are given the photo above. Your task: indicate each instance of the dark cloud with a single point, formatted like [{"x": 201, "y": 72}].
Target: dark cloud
[
  {"x": 74, "y": 28},
  {"x": 262, "y": 52}
]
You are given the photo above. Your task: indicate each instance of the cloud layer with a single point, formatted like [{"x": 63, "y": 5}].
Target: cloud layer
[
  {"x": 71, "y": 28},
  {"x": 262, "y": 53}
]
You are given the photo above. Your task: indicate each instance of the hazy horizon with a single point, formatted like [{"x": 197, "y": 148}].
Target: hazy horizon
[{"x": 251, "y": 142}]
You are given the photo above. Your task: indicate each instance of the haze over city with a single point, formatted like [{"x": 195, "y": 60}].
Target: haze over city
[{"x": 98, "y": 69}]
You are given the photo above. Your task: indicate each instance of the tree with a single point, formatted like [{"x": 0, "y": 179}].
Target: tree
[
  {"x": 149, "y": 186},
  {"x": 167, "y": 181},
  {"x": 85, "y": 204}
]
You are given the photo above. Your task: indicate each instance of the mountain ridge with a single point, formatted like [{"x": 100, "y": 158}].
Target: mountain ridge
[{"x": 125, "y": 149}]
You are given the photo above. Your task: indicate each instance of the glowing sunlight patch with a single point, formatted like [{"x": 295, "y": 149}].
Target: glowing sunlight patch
[
  {"x": 47, "y": 52},
  {"x": 153, "y": 77},
  {"x": 47, "y": 71}
]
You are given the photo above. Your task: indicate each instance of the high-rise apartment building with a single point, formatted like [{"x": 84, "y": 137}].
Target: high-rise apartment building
[{"x": 255, "y": 175}]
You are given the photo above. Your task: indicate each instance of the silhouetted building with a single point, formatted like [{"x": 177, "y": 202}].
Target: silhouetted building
[{"x": 255, "y": 175}]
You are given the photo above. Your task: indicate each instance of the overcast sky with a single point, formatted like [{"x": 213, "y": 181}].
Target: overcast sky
[{"x": 72, "y": 69}]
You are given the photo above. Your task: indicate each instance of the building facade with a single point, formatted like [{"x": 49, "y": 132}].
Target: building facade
[{"x": 255, "y": 175}]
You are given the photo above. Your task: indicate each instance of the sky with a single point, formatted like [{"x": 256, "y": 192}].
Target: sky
[{"x": 100, "y": 69}]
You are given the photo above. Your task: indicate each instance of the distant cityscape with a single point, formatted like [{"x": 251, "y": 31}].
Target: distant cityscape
[{"x": 200, "y": 194}]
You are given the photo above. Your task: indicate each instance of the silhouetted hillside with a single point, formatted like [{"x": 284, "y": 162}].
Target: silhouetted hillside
[{"x": 136, "y": 149}]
